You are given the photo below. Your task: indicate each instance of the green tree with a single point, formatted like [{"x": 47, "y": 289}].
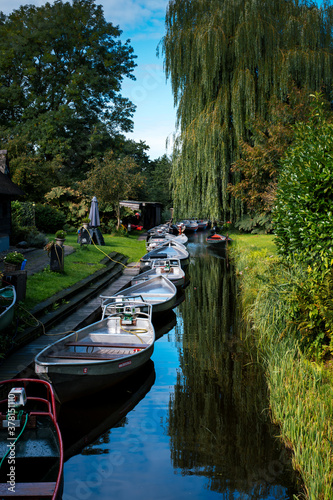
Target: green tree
[
  {"x": 226, "y": 59},
  {"x": 158, "y": 185},
  {"x": 303, "y": 217},
  {"x": 259, "y": 164},
  {"x": 112, "y": 180},
  {"x": 61, "y": 70}
]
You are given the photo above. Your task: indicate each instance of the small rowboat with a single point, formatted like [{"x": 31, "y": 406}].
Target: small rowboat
[
  {"x": 156, "y": 240},
  {"x": 7, "y": 303},
  {"x": 31, "y": 449},
  {"x": 102, "y": 354},
  {"x": 218, "y": 240},
  {"x": 169, "y": 268},
  {"x": 157, "y": 291},
  {"x": 168, "y": 250},
  {"x": 191, "y": 226}
]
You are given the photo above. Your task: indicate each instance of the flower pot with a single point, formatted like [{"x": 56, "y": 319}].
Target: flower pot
[
  {"x": 9, "y": 267},
  {"x": 85, "y": 225},
  {"x": 59, "y": 241}
]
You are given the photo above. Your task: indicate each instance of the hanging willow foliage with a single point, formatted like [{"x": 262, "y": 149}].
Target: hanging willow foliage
[{"x": 226, "y": 59}]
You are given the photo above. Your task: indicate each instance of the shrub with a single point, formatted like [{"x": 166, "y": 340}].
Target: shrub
[
  {"x": 14, "y": 258},
  {"x": 61, "y": 234},
  {"x": 49, "y": 219},
  {"x": 303, "y": 217}
]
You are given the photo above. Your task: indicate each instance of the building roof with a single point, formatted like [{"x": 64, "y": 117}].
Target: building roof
[
  {"x": 136, "y": 205},
  {"x": 8, "y": 188}
]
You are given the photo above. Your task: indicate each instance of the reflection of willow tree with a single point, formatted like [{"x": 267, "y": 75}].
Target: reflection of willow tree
[{"x": 215, "y": 423}]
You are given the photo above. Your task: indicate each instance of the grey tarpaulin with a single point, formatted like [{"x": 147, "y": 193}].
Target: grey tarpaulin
[
  {"x": 95, "y": 233},
  {"x": 94, "y": 213}
]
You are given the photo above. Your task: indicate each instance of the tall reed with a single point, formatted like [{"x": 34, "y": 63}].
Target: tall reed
[{"x": 301, "y": 392}]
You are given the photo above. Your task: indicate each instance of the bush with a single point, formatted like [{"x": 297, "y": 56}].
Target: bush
[
  {"x": 303, "y": 217},
  {"x": 49, "y": 219},
  {"x": 30, "y": 234}
]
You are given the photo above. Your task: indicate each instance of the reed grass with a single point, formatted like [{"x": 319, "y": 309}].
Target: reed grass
[{"x": 301, "y": 391}]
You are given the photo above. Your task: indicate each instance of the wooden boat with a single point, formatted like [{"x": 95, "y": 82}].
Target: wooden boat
[
  {"x": 169, "y": 268},
  {"x": 218, "y": 240},
  {"x": 158, "y": 291},
  {"x": 102, "y": 354},
  {"x": 168, "y": 250},
  {"x": 31, "y": 448},
  {"x": 7, "y": 303}
]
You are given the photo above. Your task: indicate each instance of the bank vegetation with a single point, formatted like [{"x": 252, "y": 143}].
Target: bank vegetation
[{"x": 300, "y": 385}]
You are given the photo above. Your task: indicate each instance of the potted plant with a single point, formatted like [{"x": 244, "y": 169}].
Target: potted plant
[
  {"x": 85, "y": 222},
  {"x": 13, "y": 261},
  {"x": 60, "y": 237}
]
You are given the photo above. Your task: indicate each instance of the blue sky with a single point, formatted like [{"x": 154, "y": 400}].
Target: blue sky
[{"x": 142, "y": 21}]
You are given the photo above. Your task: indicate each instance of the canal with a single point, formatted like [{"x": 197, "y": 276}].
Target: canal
[{"x": 194, "y": 423}]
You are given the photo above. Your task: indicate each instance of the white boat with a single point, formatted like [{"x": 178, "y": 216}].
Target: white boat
[
  {"x": 167, "y": 250},
  {"x": 7, "y": 303},
  {"x": 169, "y": 268},
  {"x": 102, "y": 354},
  {"x": 157, "y": 240},
  {"x": 158, "y": 291}
]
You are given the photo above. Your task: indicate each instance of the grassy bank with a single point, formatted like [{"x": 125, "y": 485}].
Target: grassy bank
[
  {"x": 301, "y": 392},
  {"x": 80, "y": 264}
]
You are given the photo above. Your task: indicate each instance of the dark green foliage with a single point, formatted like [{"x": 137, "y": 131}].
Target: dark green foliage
[
  {"x": 49, "y": 219},
  {"x": 226, "y": 59},
  {"x": 303, "y": 217},
  {"x": 255, "y": 224},
  {"x": 158, "y": 181},
  {"x": 61, "y": 70}
]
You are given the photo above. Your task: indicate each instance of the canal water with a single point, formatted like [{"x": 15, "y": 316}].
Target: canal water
[{"x": 194, "y": 422}]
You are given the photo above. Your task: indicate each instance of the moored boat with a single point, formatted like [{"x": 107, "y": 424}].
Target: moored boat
[
  {"x": 157, "y": 291},
  {"x": 191, "y": 226},
  {"x": 31, "y": 448},
  {"x": 218, "y": 240},
  {"x": 7, "y": 305},
  {"x": 202, "y": 224},
  {"x": 102, "y": 354},
  {"x": 168, "y": 250},
  {"x": 169, "y": 268}
]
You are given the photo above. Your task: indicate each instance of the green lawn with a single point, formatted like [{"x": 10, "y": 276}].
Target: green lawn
[
  {"x": 255, "y": 242},
  {"x": 80, "y": 264}
]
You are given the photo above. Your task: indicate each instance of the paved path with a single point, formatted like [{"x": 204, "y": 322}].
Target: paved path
[
  {"x": 21, "y": 361},
  {"x": 37, "y": 258}
]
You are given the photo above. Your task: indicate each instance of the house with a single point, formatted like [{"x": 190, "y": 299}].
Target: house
[
  {"x": 150, "y": 211},
  {"x": 8, "y": 192}
]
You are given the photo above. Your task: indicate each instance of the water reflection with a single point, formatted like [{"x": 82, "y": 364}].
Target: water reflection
[
  {"x": 85, "y": 423},
  {"x": 218, "y": 424},
  {"x": 195, "y": 424}
]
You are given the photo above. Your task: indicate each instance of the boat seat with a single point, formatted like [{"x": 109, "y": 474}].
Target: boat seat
[
  {"x": 28, "y": 490},
  {"x": 86, "y": 355},
  {"x": 102, "y": 344}
]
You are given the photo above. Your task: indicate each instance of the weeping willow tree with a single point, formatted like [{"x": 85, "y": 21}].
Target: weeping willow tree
[{"x": 226, "y": 60}]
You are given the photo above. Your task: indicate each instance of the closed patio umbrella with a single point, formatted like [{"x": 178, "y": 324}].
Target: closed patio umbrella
[{"x": 94, "y": 213}]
